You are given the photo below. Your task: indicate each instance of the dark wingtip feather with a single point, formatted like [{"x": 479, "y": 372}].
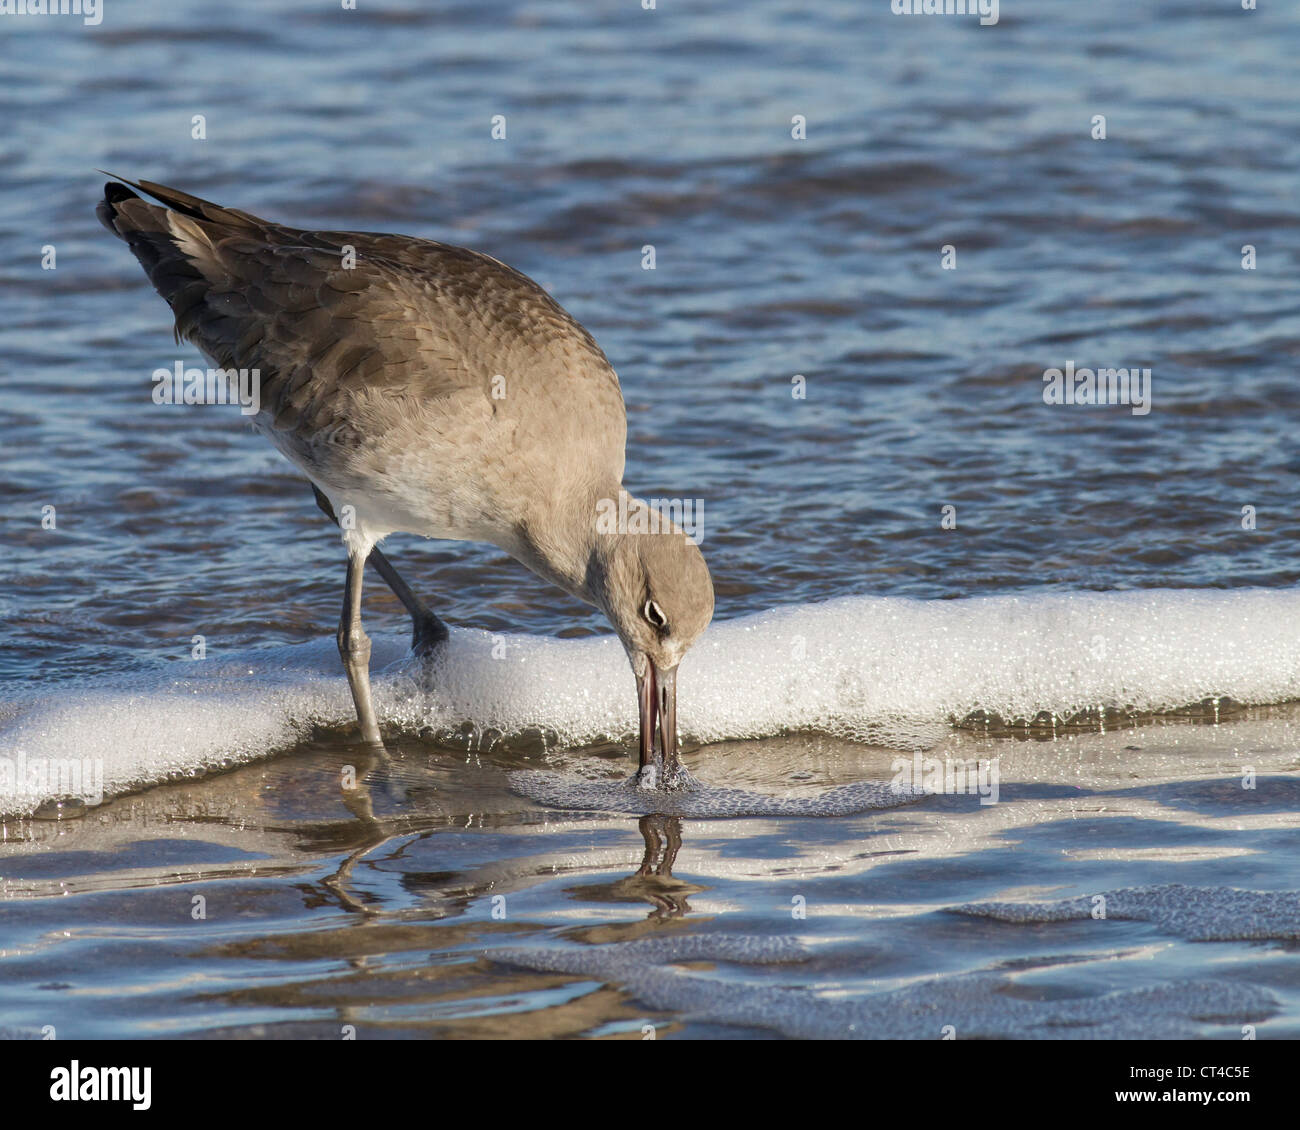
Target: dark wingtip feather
[
  {"x": 115, "y": 193},
  {"x": 106, "y": 209}
]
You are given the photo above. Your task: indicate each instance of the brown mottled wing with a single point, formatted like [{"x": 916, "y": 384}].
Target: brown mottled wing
[{"x": 412, "y": 318}]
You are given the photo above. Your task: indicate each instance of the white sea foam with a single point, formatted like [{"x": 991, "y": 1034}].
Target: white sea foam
[
  {"x": 889, "y": 670},
  {"x": 975, "y": 1005},
  {"x": 702, "y": 801},
  {"x": 1200, "y": 914}
]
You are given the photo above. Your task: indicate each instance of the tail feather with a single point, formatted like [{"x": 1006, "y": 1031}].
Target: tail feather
[
  {"x": 174, "y": 240},
  {"x": 193, "y": 206}
]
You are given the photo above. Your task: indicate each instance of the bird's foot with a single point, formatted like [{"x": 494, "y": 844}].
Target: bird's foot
[
  {"x": 672, "y": 779},
  {"x": 427, "y": 634}
]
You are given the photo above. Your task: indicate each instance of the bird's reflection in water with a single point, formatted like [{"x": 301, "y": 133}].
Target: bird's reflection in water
[
  {"x": 370, "y": 831},
  {"x": 663, "y": 840},
  {"x": 652, "y": 882}
]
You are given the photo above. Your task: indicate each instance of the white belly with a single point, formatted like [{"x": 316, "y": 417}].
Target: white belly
[{"x": 409, "y": 493}]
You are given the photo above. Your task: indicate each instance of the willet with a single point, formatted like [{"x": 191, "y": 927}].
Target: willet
[{"x": 430, "y": 389}]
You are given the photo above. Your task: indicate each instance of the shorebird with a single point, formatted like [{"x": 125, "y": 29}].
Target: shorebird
[{"x": 433, "y": 390}]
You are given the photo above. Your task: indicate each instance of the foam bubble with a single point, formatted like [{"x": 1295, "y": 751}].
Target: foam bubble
[
  {"x": 182, "y": 720},
  {"x": 702, "y": 801},
  {"x": 1199, "y": 914},
  {"x": 888, "y": 670},
  {"x": 977, "y": 1005}
]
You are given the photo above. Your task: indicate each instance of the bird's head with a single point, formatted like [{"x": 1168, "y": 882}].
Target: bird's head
[{"x": 656, "y": 590}]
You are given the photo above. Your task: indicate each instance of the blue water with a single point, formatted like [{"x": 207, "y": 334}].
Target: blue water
[{"x": 774, "y": 257}]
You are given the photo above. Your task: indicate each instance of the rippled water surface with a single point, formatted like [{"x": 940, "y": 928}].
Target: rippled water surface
[{"x": 491, "y": 879}]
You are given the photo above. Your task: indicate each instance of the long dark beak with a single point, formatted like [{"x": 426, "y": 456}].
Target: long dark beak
[{"x": 657, "y": 703}]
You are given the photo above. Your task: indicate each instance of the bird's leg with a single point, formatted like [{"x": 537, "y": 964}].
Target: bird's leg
[
  {"x": 427, "y": 631},
  {"x": 354, "y": 647}
]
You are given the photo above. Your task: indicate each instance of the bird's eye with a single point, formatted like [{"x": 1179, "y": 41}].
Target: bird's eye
[{"x": 655, "y": 615}]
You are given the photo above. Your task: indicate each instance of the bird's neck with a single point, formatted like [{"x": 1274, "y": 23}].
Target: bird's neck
[{"x": 575, "y": 539}]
